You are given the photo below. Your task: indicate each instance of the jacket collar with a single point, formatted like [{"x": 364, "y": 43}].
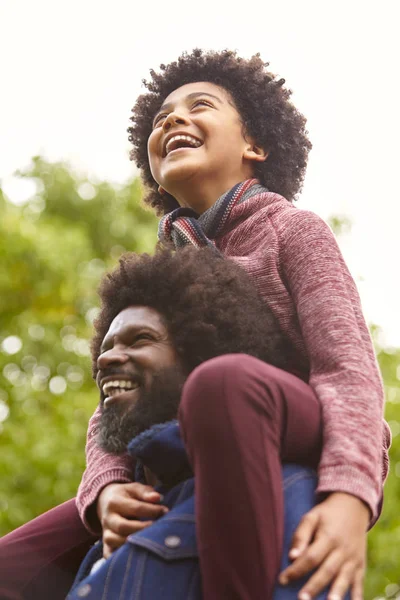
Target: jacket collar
[{"x": 161, "y": 449}]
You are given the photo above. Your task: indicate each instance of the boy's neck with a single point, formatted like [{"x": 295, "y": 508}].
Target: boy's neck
[{"x": 201, "y": 197}]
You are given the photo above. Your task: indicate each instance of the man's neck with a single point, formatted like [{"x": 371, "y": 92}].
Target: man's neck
[
  {"x": 151, "y": 478},
  {"x": 160, "y": 455}
]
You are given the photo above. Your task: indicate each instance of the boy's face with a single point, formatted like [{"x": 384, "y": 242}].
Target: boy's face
[{"x": 211, "y": 145}]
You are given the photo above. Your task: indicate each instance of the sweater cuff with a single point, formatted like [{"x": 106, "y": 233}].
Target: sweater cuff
[
  {"x": 350, "y": 480},
  {"x": 86, "y": 498}
]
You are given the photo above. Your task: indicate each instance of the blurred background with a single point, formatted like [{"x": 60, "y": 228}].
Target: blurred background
[{"x": 70, "y": 200}]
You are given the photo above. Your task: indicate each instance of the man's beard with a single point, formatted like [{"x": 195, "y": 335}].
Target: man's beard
[{"x": 119, "y": 424}]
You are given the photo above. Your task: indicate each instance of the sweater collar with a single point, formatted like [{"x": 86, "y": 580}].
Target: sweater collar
[
  {"x": 215, "y": 218},
  {"x": 184, "y": 226}
]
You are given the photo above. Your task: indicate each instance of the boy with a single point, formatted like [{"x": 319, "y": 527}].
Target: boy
[{"x": 223, "y": 153}]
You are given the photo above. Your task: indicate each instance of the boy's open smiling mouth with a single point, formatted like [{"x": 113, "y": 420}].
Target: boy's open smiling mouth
[{"x": 179, "y": 141}]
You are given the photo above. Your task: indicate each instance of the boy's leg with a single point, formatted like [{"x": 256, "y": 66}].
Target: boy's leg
[
  {"x": 40, "y": 559},
  {"x": 240, "y": 419}
]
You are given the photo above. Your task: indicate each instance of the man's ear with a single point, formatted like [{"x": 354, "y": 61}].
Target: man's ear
[{"x": 254, "y": 152}]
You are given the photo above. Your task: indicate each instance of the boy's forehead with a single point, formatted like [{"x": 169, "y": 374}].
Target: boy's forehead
[{"x": 196, "y": 87}]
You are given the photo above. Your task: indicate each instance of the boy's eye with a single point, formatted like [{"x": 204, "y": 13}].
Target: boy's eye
[
  {"x": 202, "y": 102},
  {"x": 162, "y": 116},
  {"x": 159, "y": 118}
]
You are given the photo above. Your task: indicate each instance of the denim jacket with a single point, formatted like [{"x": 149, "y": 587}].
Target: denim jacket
[{"x": 161, "y": 561}]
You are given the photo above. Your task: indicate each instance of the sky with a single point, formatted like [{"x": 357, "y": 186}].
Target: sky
[{"x": 70, "y": 72}]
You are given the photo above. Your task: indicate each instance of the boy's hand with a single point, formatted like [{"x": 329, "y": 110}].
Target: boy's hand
[
  {"x": 331, "y": 538},
  {"x": 119, "y": 504}
]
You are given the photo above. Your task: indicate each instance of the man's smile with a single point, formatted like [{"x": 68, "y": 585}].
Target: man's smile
[{"x": 116, "y": 388}]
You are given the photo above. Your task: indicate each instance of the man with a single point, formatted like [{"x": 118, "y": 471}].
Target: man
[{"x": 171, "y": 328}]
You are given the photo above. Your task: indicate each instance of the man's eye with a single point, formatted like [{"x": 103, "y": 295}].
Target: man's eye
[{"x": 142, "y": 337}]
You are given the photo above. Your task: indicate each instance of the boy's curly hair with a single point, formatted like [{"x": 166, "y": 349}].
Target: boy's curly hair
[
  {"x": 209, "y": 305},
  {"x": 262, "y": 102}
]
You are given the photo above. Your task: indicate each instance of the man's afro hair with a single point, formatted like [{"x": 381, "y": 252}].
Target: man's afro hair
[
  {"x": 208, "y": 303},
  {"x": 262, "y": 101}
]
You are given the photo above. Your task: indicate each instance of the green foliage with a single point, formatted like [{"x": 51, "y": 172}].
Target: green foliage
[
  {"x": 383, "y": 578},
  {"x": 53, "y": 251},
  {"x": 340, "y": 224}
]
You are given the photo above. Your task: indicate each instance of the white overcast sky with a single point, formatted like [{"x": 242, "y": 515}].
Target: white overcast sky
[{"x": 71, "y": 70}]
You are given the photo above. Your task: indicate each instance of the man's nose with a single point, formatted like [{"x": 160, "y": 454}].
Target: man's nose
[
  {"x": 175, "y": 118},
  {"x": 116, "y": 355}
]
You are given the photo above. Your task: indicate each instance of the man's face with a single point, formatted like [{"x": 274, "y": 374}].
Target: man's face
[
  {"x": 139, "y": 377},
  {"x": 213, "y": 144}
]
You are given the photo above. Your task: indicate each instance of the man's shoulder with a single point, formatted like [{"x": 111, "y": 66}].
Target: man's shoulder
[
  {"x": 179, "y": 496},
  {"x": 172, "y": 538}
]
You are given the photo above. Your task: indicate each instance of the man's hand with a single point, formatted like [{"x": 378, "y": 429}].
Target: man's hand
[
  {"x": 331, "y": 538},
  {"x": 119, "y": 504}
]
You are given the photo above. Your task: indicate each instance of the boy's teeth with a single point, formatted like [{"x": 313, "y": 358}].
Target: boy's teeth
[{"x": 187, "y": 138}]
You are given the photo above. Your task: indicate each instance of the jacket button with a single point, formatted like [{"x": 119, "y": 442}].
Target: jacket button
[
  {"x": 84, "y": 590},
  {"x": 172, "y": 541}
]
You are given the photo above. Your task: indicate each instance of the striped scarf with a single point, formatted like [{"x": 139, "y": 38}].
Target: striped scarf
[{"x": 184, "y": 226}]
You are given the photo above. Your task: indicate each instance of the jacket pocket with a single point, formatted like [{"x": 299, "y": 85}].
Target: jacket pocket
[
  {"x": 173, "y": 537},
  {"x": 167, "y": 566}
]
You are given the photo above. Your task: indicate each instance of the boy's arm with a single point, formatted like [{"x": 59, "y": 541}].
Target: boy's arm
[
  {"x": 331, "y": 538},
  {"x": 101, "y": 470},
  {"x": 343, "y": 368}
]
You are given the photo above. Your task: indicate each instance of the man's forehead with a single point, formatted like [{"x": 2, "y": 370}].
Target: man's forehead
[
  {"x": 117, "y": 323},
  {"x": 134, "y": 317}
]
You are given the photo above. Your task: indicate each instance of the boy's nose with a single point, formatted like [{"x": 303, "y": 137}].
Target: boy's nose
[
  {"x": 174, "y": 119},
  {"x": 115, "y": 355}
]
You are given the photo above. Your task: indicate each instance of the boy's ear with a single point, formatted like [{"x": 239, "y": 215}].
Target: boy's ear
[{"x": 254, "y": 152}]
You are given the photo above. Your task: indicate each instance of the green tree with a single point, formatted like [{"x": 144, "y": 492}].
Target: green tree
[{"x": 53, "y": 251}]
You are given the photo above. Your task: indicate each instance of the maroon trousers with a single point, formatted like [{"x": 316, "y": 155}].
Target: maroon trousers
[
  {"x": 240, "y": 419},
  {"x": 39, "y": 560}
]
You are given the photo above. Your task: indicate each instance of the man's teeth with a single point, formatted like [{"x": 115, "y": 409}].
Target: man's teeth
[
  {"x": 174, "y": 142},
  {"x": 112, "y": 388}
]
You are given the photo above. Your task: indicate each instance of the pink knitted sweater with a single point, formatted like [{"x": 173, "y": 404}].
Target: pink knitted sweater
[{"x": 295, "y": 263}]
